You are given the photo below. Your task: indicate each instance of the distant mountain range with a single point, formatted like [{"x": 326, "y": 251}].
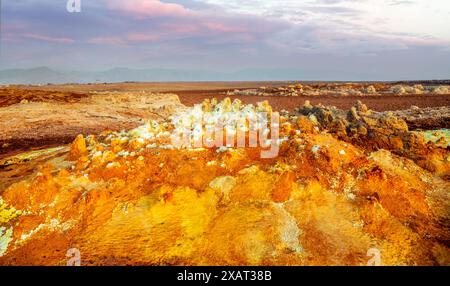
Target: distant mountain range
[{"x": 45, "y": 75}]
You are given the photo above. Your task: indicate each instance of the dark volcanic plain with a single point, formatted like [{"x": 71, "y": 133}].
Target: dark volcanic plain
[{"x": 191, "y": 93}]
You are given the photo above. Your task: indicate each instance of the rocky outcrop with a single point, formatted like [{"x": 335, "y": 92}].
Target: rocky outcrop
[
  {"x": 425, "y": 118},
  {"x": 345, "y": 89},
  {"x": 378, "y": 130}
]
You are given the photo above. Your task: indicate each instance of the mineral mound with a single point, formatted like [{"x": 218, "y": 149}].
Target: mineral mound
[
  {"x": 49, "y": 118},
  {"x": 344, "y": 182}
]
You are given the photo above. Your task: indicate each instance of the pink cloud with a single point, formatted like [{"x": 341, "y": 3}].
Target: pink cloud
[
  {"x": 136, "y": 37},
  {"x": 218, "y": 27},
  {"x": 180, "y": 28},
  {"x": 13, "y": 26},
  {"x": 112, "y": 41},
  {"x": 200, "y": 28},
  {"x": 62, "y": 40},
  {"x": 149, "y": 8}
]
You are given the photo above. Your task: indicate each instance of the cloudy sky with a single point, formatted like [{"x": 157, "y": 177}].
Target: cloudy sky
[{"x": 358, "y": 39}]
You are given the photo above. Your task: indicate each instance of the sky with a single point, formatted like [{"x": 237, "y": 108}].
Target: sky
[{"x": 358, "y": 39}]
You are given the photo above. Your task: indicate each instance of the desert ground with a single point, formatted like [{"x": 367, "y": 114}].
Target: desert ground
[{"x": 361, "y": 166}]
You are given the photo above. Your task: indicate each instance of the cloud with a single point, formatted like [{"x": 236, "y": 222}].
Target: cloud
[
  {"x": 364, "y": 22},
  {"x": 401, "y": 2},
  {"x": 60, "y": 40},
  {"x": 179, "y": 28},
  {"x": 219, "y": 27},
  {"x": 149, "y": 8},
  {"x": 138, "y": 37},
  {"x": 227, "y": 34},
  {"x": 108, "y": 40}
]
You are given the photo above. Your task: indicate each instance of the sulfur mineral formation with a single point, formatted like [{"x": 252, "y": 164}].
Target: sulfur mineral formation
[{"x": 343, "y": 182}]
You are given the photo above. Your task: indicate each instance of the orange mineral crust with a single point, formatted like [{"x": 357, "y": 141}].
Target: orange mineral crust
[{"x": 131, "y": 198}]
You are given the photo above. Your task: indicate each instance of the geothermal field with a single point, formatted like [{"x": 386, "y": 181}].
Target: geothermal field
[{"x": 360, "y": 170}]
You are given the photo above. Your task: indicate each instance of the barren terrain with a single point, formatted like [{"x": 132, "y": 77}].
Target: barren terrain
[{"x": 353, "y": 173}]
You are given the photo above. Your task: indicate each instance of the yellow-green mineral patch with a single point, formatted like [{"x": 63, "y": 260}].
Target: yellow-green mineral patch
[
  {"x": 439, "y": 137},
  {"x": 7, "y": 213},
  {"x": 5, "y": 239},
  {"x": 29, "y": 156}
]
